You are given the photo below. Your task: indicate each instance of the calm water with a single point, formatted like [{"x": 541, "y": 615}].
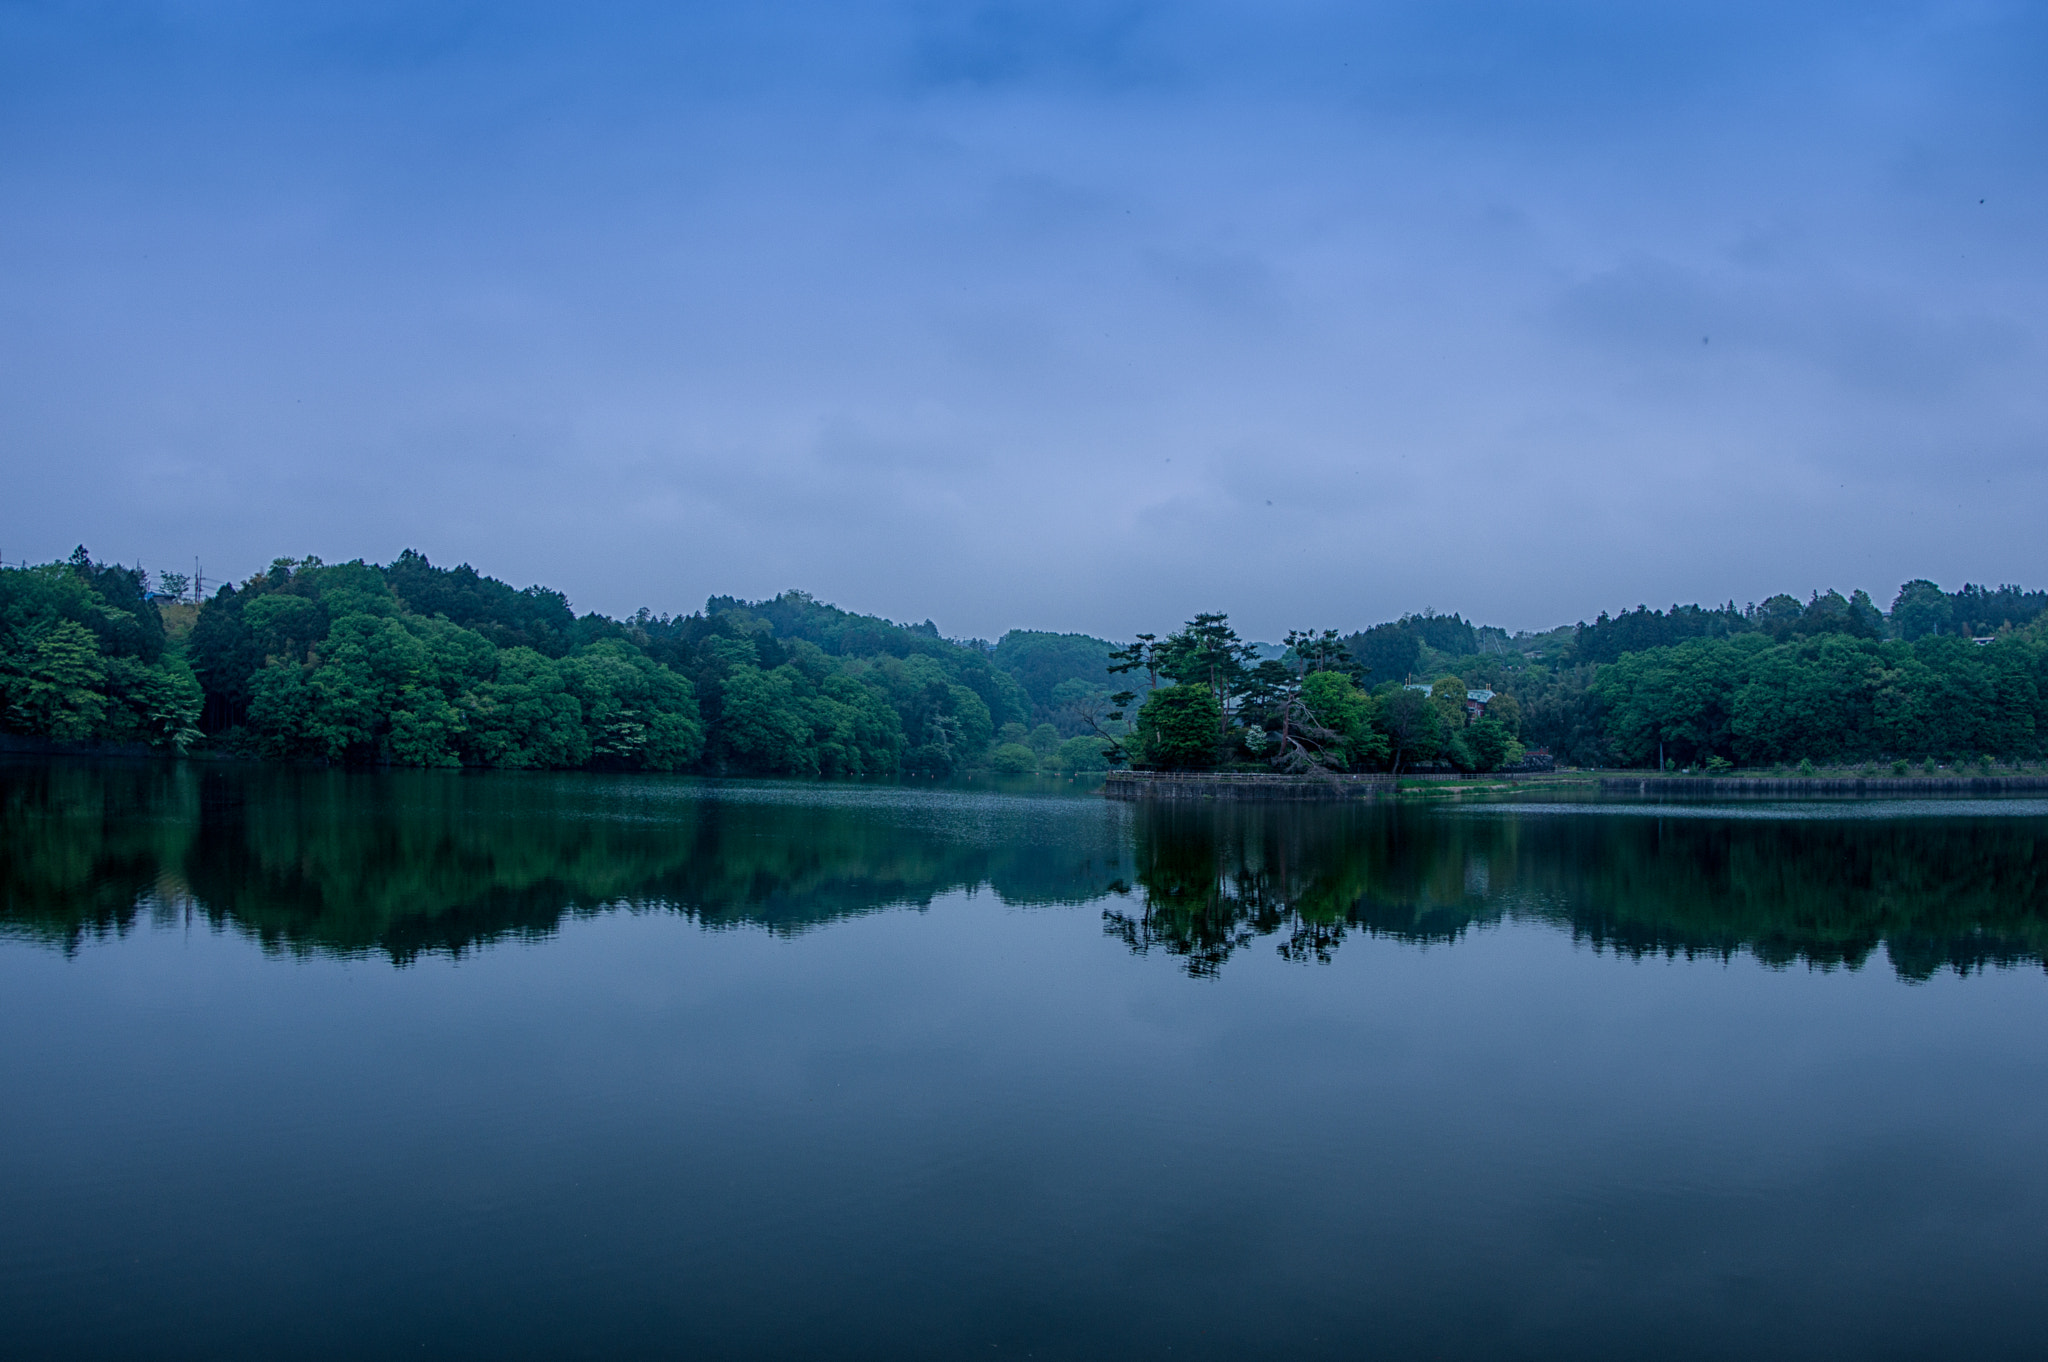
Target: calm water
[{"x": 314, "y": 1064}]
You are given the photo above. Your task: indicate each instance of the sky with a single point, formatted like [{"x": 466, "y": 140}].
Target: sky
[{"x": 1036, "y": 315}]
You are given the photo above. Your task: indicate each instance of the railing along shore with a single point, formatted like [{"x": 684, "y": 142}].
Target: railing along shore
[
  {"x": 1822, "y": 785},
  {"x": 1241, "y": 785}
]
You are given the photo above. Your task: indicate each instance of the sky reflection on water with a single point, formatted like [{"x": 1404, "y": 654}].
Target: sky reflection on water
[
  {"x": 399, "y": 863},
  {"x": 1414, "y": 1082}
]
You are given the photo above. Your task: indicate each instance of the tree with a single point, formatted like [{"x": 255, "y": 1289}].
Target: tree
[
  {"x": 1780, "y": 616},
  {"x": 1865, "y": 619},
  {"x": 53, "y": 686},
  {"x": 1143, "y": 654},
  {"x": 524, "y": 716},
  {"x": 1013, "y": 758},
  {"x": 1081, "y": 753},
  {"x": 1414, "y": 727},
  {"x": 1448, "y": 634},
  {"x": 285, "y": 625},
  {"x": 157, "y": 704},
  {"x": 1313, "y": 713},
  {"x": 1387, "y": 652},
  {"x": 1042, "y": 662},
  {"x": 638, "y": 713},
  {"x": 1177, "y": 727},
  {"x": 1447, "y": 694},
  {"x": 1921, "y": 608},
  {"x": 1346, "y": 712},
  {"x": 1681, "y": 700},
  {"x": 82, "y": 657},
  {"x": 1208, "y": 652},
  {"x": 1491, "y": 745},
  {"x": 760, "y": 728}
]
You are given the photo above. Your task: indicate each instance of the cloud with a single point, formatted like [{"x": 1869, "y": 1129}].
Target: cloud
[
  {"x": 1020, "y": 315},
  {"x": 1872, "y": 343}
]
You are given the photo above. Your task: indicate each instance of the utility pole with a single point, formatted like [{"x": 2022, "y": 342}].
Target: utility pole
[{"x": 198, "y": 582}]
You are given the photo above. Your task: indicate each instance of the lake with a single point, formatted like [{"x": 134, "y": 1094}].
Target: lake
[{"x": 333, "y": 1064}]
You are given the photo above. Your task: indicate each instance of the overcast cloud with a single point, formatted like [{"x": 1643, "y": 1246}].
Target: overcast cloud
[{"x": 1075, "y": 316}]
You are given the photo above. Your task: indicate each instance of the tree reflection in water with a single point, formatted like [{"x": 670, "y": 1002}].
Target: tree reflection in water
[
  {"x": 402, "y": 863},
  {"x": 409, "y": 862},
  {"x": 1212, "y": 879},
  {"x": 1937, "y": 889}
]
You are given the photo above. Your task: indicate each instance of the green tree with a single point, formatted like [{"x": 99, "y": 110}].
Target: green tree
[
  {"x": 285, "y": 625},
  {"x": 82, "y": 658},
  {"x": 1177, "y": 727},
  {"x": 1347, "y": 712},
  {"x": 52, "y": 682},
  {"x": 1414, "y": 727},
  {"x": 524, "y": 716},
  {"x": 867, "y": 735},
  {"x": 1013, "y": 758},
  {"x": 156, "y": 703},
  {"x": 760, "y": 727},
  {"x": 1448, "y": 695},
  {"x": 1921, "y": 608},
  {"x": 1491, "y": 745},
  {"x": 1208, "y": 652},
  {"x": 1083, "y": 752},
  {"x": 638, "y": 713},
  {"x": 1676, "y": 701},
  {"x": 1387, "y": 652},
  {"x": 1042, "y": 662}
]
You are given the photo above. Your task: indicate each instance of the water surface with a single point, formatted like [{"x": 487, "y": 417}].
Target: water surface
[{"x": 326, "y": 1064}]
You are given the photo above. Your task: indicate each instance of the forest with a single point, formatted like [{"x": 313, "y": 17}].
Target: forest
[{"x": 413, "y": 664}]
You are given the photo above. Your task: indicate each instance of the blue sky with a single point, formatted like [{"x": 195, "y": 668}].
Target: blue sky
[{"x": 1036, "y": 315}]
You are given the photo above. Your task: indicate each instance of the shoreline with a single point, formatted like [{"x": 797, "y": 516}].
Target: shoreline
[{"x": 1822, "y": 785}]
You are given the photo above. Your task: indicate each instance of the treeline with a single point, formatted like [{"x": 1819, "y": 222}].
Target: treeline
[
  {"x": 1942, "y": 677},
  {"x": 413, "y": 664}
]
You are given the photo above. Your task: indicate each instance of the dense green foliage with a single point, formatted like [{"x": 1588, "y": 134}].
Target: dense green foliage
[
  {"x": 332, "y": 662},
  {"x": 417, "y": 665},
  {"x": 1216, "y": 702},
  {"x": 1061, "y": 673},
  {"x": 1943, "y": 677},
  {"x": 413, "y": 664},
  {"x": 83, "y": 658},
  {"x": 1835, "y": 697},
  {"x": 1177, "y": 727}
]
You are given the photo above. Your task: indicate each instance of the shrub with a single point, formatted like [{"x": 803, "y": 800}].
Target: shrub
[
  {"x": 1013, "y": 758},
  {"x": 1084, "y": 753}
]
